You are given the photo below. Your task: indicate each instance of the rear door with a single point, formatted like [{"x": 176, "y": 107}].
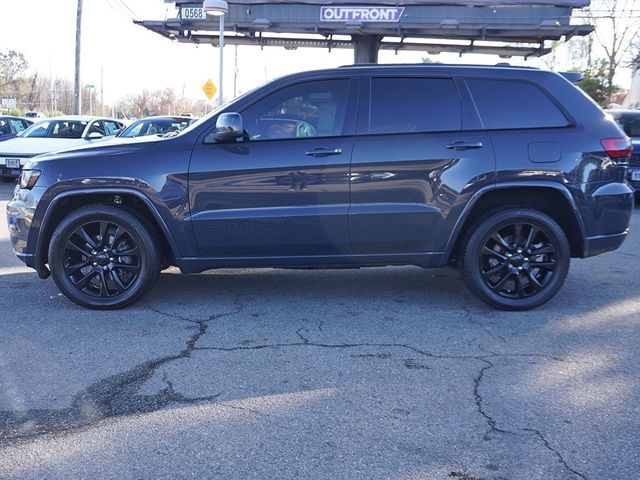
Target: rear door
[{"x": 418, "y": 154}]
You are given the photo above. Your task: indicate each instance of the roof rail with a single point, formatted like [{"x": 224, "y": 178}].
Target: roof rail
[
  {"x": 573, "y": 76},
  {"x": 461, "y": 65}
]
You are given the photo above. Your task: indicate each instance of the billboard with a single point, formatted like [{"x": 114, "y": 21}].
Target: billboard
[{"x": 400, "y": 3}]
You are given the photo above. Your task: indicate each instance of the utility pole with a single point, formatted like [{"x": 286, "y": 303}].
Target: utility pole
[
  {"x": 235, "y": 73},
  {"x": 52, "y": 95},
  {"x": 77, "y": 90},
  {"x": 102, "y": 90}
]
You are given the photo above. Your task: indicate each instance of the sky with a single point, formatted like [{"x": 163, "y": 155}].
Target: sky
[{"x": 134, "y": 58}]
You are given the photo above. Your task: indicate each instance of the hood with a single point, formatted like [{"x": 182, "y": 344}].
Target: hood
[
  {"x": 29, "y": 147},
  {"x": 115, "y": 146}
]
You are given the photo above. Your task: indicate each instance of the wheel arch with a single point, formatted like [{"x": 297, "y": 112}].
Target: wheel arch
[
  {"x": 551, "y": 198},
  {"x": 129, "y": 199}
]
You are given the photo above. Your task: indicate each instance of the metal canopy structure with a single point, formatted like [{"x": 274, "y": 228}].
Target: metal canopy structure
[{"x": 501, "y": 27}]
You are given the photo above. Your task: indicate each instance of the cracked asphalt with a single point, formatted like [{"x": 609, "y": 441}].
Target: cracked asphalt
[{"x": 388, "y": 373}]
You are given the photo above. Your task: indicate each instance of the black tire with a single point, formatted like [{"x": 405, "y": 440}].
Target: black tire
[
  {"x": 506, "y": 268},
  {"x": 104, "y": 257}
]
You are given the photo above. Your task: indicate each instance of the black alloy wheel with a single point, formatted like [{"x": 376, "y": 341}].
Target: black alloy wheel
[
  {"x": 515, "y": 259},
  {"x": 104, "y": 257},
  {"x": 518, "y": 260}
]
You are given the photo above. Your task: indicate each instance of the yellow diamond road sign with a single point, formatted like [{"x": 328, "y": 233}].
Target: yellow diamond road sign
[{"x": 209, "y": 89}]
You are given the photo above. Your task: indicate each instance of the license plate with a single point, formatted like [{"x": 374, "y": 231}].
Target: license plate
[
  {"x": 635, "y": 175},
  {"x": 13, "y": 163},
  {"x": 192, "y": 13}
]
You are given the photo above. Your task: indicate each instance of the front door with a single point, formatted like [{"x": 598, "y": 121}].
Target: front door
[{"x": 285, "y": 191}]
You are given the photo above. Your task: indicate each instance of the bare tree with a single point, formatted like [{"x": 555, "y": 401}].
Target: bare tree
[
  {"x": 12, "y": 66},
  {"x": 617, "y": 28}
]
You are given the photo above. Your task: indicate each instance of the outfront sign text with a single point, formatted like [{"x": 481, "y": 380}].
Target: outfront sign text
[{"x": 361, "y": 14}]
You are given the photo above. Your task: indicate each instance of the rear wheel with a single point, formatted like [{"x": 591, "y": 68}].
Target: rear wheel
[
  {"x": 516, "y": 259},
  {"x": 103, "y": 257}
]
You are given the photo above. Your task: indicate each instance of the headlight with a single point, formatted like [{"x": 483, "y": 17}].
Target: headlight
[{"x": 28, "y": 178}]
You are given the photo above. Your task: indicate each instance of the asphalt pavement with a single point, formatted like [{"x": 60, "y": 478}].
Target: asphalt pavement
[{"x": 382, "y": 373}]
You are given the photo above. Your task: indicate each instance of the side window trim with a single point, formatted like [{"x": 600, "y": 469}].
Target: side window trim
[
  {"x": 364, "y": 126},
  {"x": 571, "y": 123}
]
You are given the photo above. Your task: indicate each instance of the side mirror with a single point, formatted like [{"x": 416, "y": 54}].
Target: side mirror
[
  {"x": 94, "y": 136},
  {"x": 228, "y": 129}
]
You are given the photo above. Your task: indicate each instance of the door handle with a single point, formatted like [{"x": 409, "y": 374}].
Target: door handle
[
  {"x": 324, "y": 152},
  {"x": 464, "y": 146}
]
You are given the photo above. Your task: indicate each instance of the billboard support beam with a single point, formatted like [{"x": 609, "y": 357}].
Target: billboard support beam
[{"x": 366, "y": 48}]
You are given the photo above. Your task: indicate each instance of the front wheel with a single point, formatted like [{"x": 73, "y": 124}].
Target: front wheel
[
  {"x": 103, "y": 257},
  {"x": 516, "y": 259}
]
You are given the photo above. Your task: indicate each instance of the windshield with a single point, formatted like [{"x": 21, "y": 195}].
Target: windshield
[
  {"x": 156, "y": 126},
  {"x": 630, "y": 124},
  {"x": 56, "y": 129}
]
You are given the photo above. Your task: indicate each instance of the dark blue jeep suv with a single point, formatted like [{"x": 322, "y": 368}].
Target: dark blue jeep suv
[{"x": 506, "y": 173}]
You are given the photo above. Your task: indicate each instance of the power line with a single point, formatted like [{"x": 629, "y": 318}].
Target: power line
[
  {"x": 117, "y": 8},
  {"x": 127, "y": 7}
]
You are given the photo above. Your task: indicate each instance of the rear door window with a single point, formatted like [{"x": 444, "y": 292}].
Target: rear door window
[
  {"x": 18, "y": 125},
  {"x": 5, "y": 129},
  {"x": 507, "y": 104},
  {"x": 112, "y": 127},
  {"x": 96, "y": 127},
  {"x": 409, "y": 105}
]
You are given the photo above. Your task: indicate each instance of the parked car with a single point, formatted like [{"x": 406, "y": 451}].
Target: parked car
[
  {"x": 422, "y": 165},
  {"x": 50, "y": 135},
  {"x": 629, "y": 121},
  {"x": 34, "y": 115},
  {"x": 156, "y": 126},
  {"x": 11, "y": 126}
]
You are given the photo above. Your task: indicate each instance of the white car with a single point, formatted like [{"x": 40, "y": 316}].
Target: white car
[{"x": 51, "y": 135}]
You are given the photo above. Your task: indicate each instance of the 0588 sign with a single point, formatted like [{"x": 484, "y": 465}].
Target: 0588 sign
[{"x": 192, "y": 13}]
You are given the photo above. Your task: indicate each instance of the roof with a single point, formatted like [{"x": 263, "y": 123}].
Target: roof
[
  {"x": 167, "y": 117},
  {"x": 16, "y": 118},
  {"x": 445, "y": 68},
  {"x": 78, "y": 118},
  {"x": 622, "y": 111}
]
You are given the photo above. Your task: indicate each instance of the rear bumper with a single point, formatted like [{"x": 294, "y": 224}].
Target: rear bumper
[
  {"x": 606, "y": 211},
  {"x": 603, "y": 243},
  {"x": 634, "y": 171}
]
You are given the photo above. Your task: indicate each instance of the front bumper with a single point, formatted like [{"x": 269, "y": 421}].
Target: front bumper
[
  {"x": 9, "y": 172},
  {"x": 13, "y": 171},
  {"x": 22, "y": 228}
]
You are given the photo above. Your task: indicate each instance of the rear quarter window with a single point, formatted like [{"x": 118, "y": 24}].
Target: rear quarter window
[{"x": 507, "y": 104}]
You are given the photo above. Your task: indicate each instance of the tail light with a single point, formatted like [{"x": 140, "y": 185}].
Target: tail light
[{"x": 619, "y": 149}]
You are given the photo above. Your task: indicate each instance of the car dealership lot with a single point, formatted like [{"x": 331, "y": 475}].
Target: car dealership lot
[{"x": 374, "y": 373}]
